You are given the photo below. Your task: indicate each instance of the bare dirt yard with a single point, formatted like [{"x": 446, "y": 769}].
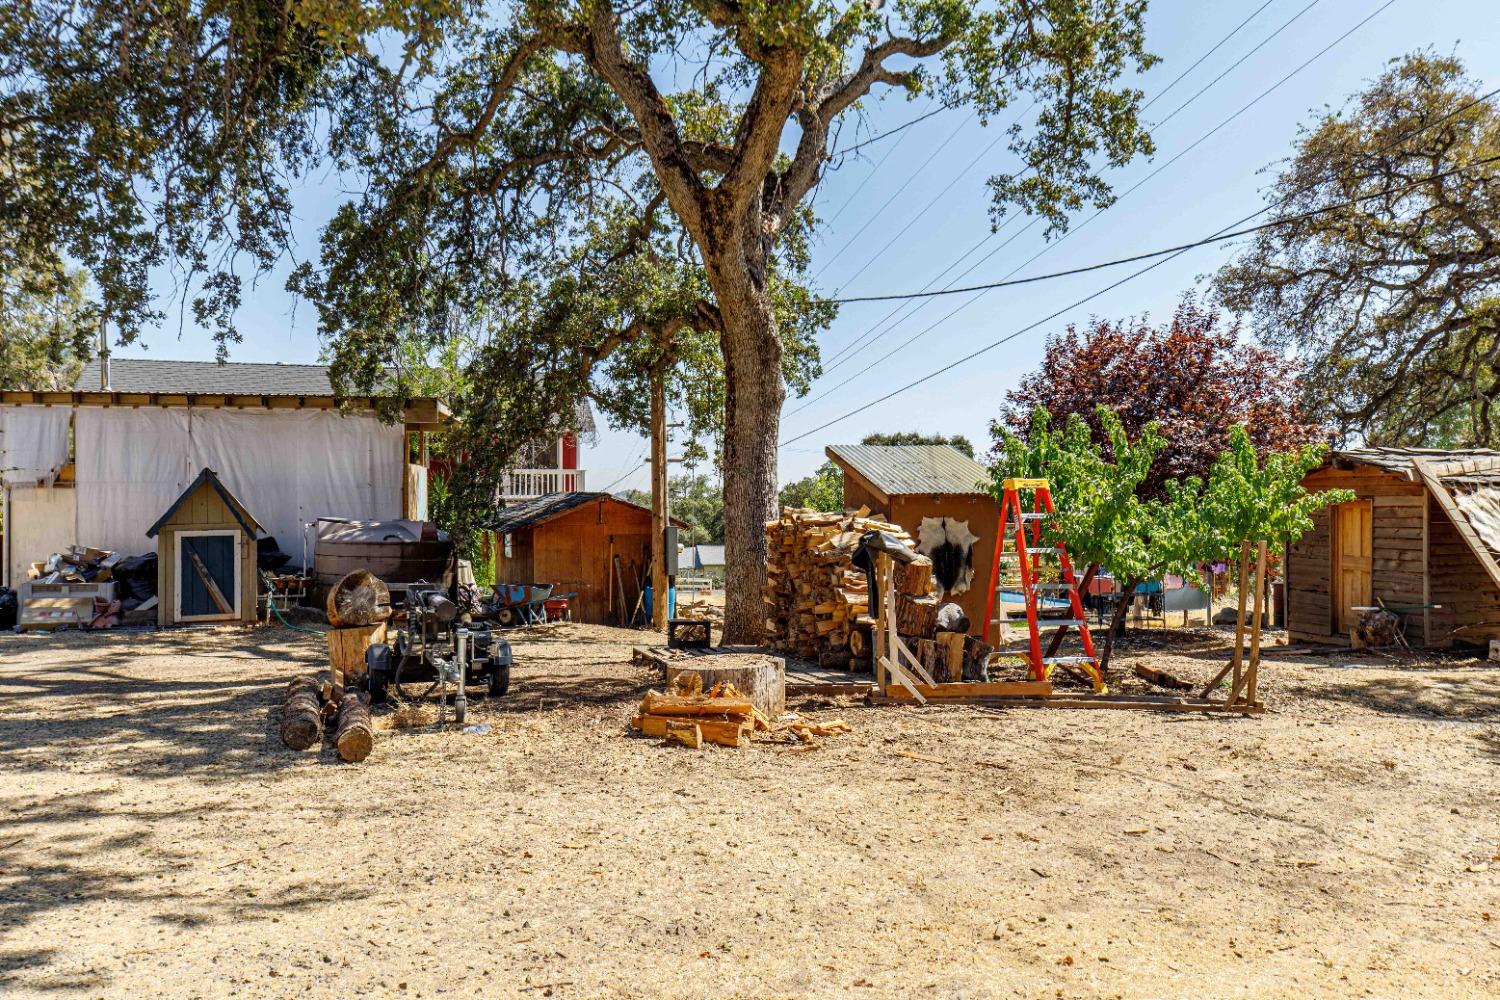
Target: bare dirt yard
[{"x": 156, "y": 839}]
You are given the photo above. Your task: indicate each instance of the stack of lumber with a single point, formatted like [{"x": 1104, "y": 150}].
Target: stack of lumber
[
  {"x": 689, "y": 716},
  {"x": 310, "y": 702},
  {"x": 814, "y": 595}
]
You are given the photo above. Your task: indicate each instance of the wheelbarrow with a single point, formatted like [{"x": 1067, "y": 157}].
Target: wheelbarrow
[{"x": 516, "y": 604}]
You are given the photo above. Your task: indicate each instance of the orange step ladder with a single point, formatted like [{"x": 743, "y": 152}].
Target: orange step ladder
[{"x": 1021, "y": 529}]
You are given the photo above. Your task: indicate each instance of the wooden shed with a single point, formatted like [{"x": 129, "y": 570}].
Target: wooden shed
[
  {"x": 205, "y": 556},
  {"x": 907, "y": 484},
  {"x": 572, "y": 540},
  {"x": 1421, "y": 537}
]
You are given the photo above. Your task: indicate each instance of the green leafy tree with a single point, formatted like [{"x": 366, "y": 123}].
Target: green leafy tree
[
  {"x": 1381, "y": 270},
  {"x": 698, "y": 500},
  {"x": 47, "y": 325},
  {"x": 1104, "y": 518},
  {"x": 823, "y": 490},
  {"x": 956, "y": 441}
]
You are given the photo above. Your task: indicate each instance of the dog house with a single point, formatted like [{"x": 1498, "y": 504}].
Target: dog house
[{"x": 205, "y": 556}]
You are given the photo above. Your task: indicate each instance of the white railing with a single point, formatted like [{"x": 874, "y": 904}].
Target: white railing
[{"x": 525, "y": 484}]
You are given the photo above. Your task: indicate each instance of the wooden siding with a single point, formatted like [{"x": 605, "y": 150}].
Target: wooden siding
[
  {"x": 574, "y": 552},
  {"x": 205, "y": 510},
  {"x": 983, "y": 514},
  {"x": 1396, "y": 570},
  {"x": 1407, "y": 569}
]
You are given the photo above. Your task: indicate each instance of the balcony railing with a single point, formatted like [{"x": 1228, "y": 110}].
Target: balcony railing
[{"x": 526, "y": 484}]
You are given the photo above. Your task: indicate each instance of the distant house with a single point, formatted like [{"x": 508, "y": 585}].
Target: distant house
[
  {"x": 1421, "y": 537},
  {"x": 99, "y": 466},
  {"x": 593, "y": 545},
  {"x": 545, "y": 467},
  {"x": 941, "y": 497},
  {"x": 703, "y": 558}
]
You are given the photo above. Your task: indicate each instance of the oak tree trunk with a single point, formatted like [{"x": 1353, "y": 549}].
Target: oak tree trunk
[{"x": 751, "y": 344}]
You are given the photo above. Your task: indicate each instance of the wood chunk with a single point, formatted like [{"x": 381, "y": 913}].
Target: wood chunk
[
  {"x": 685, "y": 734},
  {"x": 722, "y": 730},
  {"x": 656, "y": 703},
  {"x": 914, "y": 579},
  {"x": 301, "y": 721},
  {"x": 916, "y": 616},
  {"x": 360, "y": 598},
  {"x": 1161, "y": 678},
  {"x": 758, "y": 678},
  {"x": 354, "y": 737}
]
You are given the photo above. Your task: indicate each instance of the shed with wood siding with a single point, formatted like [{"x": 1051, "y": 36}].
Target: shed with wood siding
[{"x": 1421, "y": 536}]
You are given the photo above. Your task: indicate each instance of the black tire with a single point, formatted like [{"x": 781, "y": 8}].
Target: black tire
[
  {"x": 507, "y": 617},
  {"x": 499, "y": 681}
]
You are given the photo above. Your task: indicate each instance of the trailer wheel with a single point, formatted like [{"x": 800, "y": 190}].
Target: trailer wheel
[{"x": 499, "y": 681}]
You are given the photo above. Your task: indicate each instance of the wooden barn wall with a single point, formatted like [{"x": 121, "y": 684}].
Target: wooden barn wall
[
  {"x": 1470, "y": 602},
  {"x": 574, "y": 552},
  {"x": 518, "y": 566},
  {"x": 1396, "y": 570},
  {"x": 982, "y": 512},
  {"x": 857, "y": 494},
  {"x": 205, "y": 510}
]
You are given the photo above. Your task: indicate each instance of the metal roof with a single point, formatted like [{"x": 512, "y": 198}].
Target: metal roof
[
  {"x": 539, "y": 510},
  {"x": 912, "y": 468},
  {"x": 704, "y": 556},
  {"x": 234, "y": 378}
]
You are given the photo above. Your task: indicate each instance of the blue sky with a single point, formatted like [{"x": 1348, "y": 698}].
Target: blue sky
[{"x": 1217, "y": 183}]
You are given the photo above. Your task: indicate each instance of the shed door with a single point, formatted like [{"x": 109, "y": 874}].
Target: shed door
[
  {"x": 206, "y": 576},
  {"x": 1352, "y": 551}
]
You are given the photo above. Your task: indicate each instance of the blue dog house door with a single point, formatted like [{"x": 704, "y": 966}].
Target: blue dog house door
[{"x": 207, "y": 576}]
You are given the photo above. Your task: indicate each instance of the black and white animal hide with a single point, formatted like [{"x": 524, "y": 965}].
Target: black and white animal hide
[{"x": 950, "y": 546}]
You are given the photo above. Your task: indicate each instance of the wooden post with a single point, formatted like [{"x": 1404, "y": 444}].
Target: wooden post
[
  {"x": 658, "y": 501},
  {"x": 1426, "y": 568},
  {"x": 1239, "y": 621},
  {"x": 1260, "y": 612}
]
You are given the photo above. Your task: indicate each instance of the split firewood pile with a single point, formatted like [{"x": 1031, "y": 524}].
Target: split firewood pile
[
  {"x": 814, "y": 596},
  {"x": 700, "y": 610},
  {"x": 311, "y": 704},
  {"x": 689, "y": 716}
]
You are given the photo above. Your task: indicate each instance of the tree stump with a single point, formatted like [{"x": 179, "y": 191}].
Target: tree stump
[
  {"x": 916, "y": 616},
  {"x": 301, "y": 721},
  {"x": 762, "y": 679},
  {"x": 353, "y": 737},
  {"x": 346, "y": 649},
  {"x": 360, "y": 598},
  {"x": 914, "y": 579}
]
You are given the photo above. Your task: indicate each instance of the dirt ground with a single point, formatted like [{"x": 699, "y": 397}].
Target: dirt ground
[{"x": 156, "y": 839}]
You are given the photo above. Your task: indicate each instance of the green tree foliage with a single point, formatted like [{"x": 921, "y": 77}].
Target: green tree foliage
[
  {"x": 47, "y": 325},
  {"x": 1383, "y": 270},
  {"x": 957, "y": 441},
  {"x": 823, "y": 490},
  {"x": 693, "y": 497},
  {"x": 1105, "y": 517}
]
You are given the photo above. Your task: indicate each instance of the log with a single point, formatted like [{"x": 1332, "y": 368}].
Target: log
[
  {"x": 760, "y": 679},
  {"x": 723, "y": 730},
  {"x": 684, "y": 733},
  {"x": 359, "y": 598},
  {"x": 953, "y": 644},
  {"x": 1162, "y": 678},
  {"x": 916, "y": 616},
  {"x": 346, "y": 649},
  {"x": 301, "y": 722},
  {"x": 354, "y": 737},
  {"x": 976, "y": 656},
  {"x": 914, "y": 579}
]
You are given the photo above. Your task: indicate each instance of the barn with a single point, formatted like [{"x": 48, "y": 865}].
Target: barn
[
  {"x": 933, "y": 485},
  {"x": 1421, "y": 537},
  {"x": 593, "y": 545}
]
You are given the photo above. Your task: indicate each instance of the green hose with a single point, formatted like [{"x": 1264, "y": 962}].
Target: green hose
[{"x": 277, "y": 611}]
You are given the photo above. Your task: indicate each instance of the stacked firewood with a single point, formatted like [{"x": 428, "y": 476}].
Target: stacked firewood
[
  {"x": 814, "y": 596},
  {"x": 687, "y": 715}
]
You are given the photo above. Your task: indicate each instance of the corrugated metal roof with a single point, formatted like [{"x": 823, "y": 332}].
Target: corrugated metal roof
[
  {"x": 913, "y": 468},
  {"x": 234, "y": 378},
  {"x": 707, "y": 555}
]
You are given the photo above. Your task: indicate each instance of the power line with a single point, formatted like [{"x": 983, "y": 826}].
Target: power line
[
  {"x": 1197, "y": 142},
  {"x": 896, "y": 194},
  {"x": 841, "y": 153},
  {"x": 873, "y": 171},
  {"x": 1220, "y": 237},
  {"x": 842, "y": 355}
]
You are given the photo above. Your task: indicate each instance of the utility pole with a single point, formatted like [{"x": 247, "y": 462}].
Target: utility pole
[{"x": 658, "y": 500}]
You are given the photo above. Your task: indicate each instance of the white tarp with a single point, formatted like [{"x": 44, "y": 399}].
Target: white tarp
[
  {"x": 43, "y": 523},
  {"x": 33, "y": 444},
  {"x": 130, "y": 464},
  {"x": 288, "y": 467}
]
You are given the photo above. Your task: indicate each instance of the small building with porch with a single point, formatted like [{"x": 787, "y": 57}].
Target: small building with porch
[{"x": 1421, "y": 538}]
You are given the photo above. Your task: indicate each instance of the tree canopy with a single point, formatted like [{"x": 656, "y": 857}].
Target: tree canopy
[
  {"x": 47, "y": 325},
  {"x": 1384, "y": 272},
  {"x": 1194, "y": 378}
]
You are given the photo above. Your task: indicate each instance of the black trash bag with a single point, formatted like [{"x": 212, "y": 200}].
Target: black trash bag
[
  {"x": 135, "y": 577},
  {"x": 9, "y": 608},
  {"x": 268, "y": 555}
]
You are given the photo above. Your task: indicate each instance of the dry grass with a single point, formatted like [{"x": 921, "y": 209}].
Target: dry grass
[{"x": 159, "y": 841}]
